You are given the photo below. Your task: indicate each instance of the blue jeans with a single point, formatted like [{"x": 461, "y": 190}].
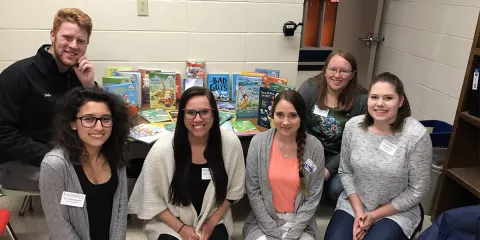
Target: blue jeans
[
  {"x": 340, "y": 227},
  {"x": 333, "y": 186}
]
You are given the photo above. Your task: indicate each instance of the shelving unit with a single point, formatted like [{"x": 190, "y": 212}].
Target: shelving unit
[{"x": 459, "y": 184}]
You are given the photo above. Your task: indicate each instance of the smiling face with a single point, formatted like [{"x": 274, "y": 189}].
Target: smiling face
[
  {"x": 69, "y": 43},
  {"x": 198, "y": 125},
  {"x": 383, "y": 102},
  {"x": 338, "y": 73},
  {"x": 286, "y": 118},
  {"x": 91, "y": 132}
]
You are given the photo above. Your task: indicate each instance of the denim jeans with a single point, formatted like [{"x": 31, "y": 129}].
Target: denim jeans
[
  {"x": 333, "y": 186},
  {"x": 340, "y": 227}
]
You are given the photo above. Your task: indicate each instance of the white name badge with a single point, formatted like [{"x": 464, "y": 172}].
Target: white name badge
[
  {"x": 206, "y": 175},
  {"x": 72, "y": 199},
  {"x": 320, "y": 112},
  {"x": 310, "y": 166},
  {"x": 388, "y": 147}
]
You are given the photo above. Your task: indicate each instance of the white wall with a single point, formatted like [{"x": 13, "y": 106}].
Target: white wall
[
  {"x": 230, "y": 35},
  {"x": 427, "y": 44}
]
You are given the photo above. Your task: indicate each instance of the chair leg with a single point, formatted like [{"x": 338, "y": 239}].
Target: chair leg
[
  {"x": 10, "y": 232},
  {"x": 21, "y": 213},
  {"x": 30, "y": 204}
]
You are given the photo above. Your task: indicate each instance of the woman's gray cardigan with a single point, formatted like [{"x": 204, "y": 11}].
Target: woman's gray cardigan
[
  {"x": 263, "y": 219},
  {"x": 65, "y": 222}
]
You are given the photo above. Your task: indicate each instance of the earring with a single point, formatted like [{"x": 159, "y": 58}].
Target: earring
[{"x": 74, "y": 129}]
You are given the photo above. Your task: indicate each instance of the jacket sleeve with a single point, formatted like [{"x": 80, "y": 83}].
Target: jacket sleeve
[
  {"x": 52, "y": 185},
  {"x": 314, "y": 193},
  {"x": 266, "y": 223},
  {"x": 121, "y": 230},
  {"x": 419, "y": 162},
  {"x": 13, "y": 90},
  {"x": 309, "y": 92},
  {"x": 345, "y": 170}
]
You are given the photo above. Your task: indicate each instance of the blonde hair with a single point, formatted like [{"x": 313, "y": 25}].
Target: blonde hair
[{"x": 73, "y": 15}]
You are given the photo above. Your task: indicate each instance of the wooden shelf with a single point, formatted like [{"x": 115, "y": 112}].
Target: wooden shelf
[
  {"x": 477, "y": 51},
  {"x": 469, "y": 178},
  {"x": 471, "y": 119}
]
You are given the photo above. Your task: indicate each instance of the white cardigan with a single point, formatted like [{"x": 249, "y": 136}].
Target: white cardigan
[{"x": 150, "y": 195}]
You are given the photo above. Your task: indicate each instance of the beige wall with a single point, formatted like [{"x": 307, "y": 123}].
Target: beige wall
[
  {"x": 231, "y": 35},
  {"x": 427, "y": 44}
]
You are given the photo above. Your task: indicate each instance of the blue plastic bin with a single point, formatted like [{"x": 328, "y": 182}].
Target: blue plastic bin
[{"x": 441, "y": 132}]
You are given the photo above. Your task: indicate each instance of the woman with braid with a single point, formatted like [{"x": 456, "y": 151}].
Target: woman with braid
[{"x": 284, "y": 175}]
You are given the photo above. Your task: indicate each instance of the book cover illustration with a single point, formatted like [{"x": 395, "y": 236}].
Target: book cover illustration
[
  {"x": 155, "y": 115},
  {"x": 244, "y": 128},
  {"x": 165, "y": 125},
  {"x": 234, "y": 86},
  {"x": 269, "y": 72},
  {"x": 227, "y": 126},
  {"x": 267, "y": 97},
  {"x": 106, "y": 81},
  {"x": 195, "y": 69},
  {"x": 219, "y": 84},
  {"x": 126, "y": 91},
  {"x": 136, "y": 79},
  {"x": 192, "y": 82},
  {"x": 178, "y": 92},
  {"x": 225, "y": 116},
  {"x": 145, "y": 74},
  {"x": 226, "y": 105},
  {"x": 268, "y": 80},
  {"x": 162, "y": 90},
  {"x": 110, "y": 71},
  {"x": 248, "y": 90},
  {"x": 146, "y": 133},
  {"x": 173, "y": 115}
]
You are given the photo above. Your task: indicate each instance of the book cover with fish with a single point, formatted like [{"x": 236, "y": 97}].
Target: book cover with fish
[
  {"x": 162, "y": 90},
  {"x": 126, "y": 91},
  {"x": 219, "y": 84},
  {"x": 248, "y": 90},
  {"x": 267, "y": 96}
]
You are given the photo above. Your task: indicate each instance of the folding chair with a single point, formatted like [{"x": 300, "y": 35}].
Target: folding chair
[
  {"x": 4, "y": 224},
  {"x": 27, "y": 201}
]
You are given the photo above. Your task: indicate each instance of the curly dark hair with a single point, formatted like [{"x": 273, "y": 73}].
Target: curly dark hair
[{"x": 115, "y": 148}]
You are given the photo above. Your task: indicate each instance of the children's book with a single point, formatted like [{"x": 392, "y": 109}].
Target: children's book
[
  {"x": 165, "y": 125},
  {"x": 109, "y": 71},
  {"x": 136, "y": 79},
  {"x": 192, "y": 82},
  {"x": 244, "y": 128},
  {"x": 106, "y": 81},
  {"x": 173, "y": 115},
  {"x": 269, "y": 72},
  {"x": 145, "y": 74},
  {"x": 225, "y": 116},
  {"x": 268, "y": 80},
  {"x": 178, "y": 92},
  {"x": 226, "y": 105},
  {"x": 267, "y": 96},
  {"x": 227, "y": 126},
  {"x": 155, "y": 115},
  {"x": 219, "y": 84},
  {"x": 280, "y": 87},
  {"x": 162, "y": 90},
  {"x": 126, "y": 91},
  {"x": 146, "y": 133},
  {"x": 195, "y": 69},
  {"x": 234, "y": 86},
  {"x": 248, "y": 89}
]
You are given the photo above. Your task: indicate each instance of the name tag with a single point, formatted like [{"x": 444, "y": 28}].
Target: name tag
[
  {"x": 72, "y": 199},
  {"x": 206, "y": 175},
  {"x": 388, "y": 147},
  {"x": 310, "y": 166},
  {"x": 320, "y": 112}
]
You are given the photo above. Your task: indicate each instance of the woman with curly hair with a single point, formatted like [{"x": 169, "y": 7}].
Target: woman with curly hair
[
  {"x": 83, "y": 181},
  {"x": 284, "y": 175}
]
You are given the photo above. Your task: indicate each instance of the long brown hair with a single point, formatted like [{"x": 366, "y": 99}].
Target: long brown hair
[
  {"x": 403, "y": 112},
  {"x": 347, "y": 96},
  {"x": 296, "y": 100}
]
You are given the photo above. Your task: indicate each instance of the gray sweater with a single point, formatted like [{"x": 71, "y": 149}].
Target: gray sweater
[
  {"x": 65, "y": 222},
  {"x": 263, "y": 219},
  {"x": 379, "y": 178},
  {"x": 309, "y": 91}
]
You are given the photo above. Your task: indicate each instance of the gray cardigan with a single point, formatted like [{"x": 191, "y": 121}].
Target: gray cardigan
[
  {"x": 263, "y": 219},
  {"x": 309, "y": 91},
  {"x": 65, "y": 222}
]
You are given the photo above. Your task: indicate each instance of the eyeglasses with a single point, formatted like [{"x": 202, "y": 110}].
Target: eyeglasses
[
  {"x": 90, "y": 122},
  {"x": 342, "y": 72},
  {"x": 204, "y": 113}
]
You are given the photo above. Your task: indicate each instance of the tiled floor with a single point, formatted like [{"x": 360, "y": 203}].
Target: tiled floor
[{"x": 33, "y": 226}]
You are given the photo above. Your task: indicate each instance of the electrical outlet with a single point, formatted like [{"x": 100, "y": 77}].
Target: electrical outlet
[{"x": 142, "y": 7}]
